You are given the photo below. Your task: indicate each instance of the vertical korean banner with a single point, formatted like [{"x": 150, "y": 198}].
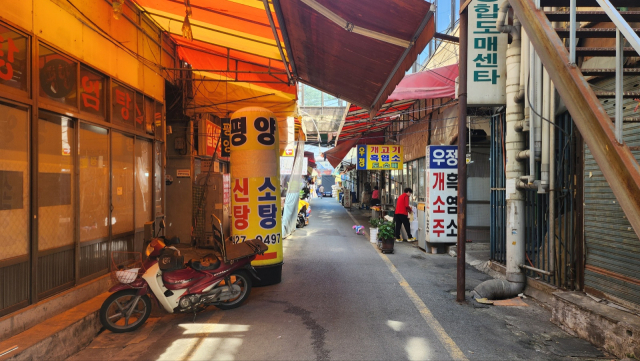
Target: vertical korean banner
[
  {"x": 487, "y": 65},
  {"x": 442, "y": 193},
  {"x": 255, "y": 183}
]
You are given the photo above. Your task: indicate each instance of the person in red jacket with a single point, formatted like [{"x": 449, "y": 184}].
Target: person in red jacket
[
  {"x": 401, "y": 216},
  {"x": 375, "y": 197}
]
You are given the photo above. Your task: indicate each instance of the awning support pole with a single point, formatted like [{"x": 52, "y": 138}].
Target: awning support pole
[
  {"x": 462, "y": 164},
  {"x": 277, "y": 39},
  {"x": 285, "y": 35}
]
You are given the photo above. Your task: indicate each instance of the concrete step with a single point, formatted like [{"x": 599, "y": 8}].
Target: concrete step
[
  {"x": 58, "y": 337},
  {"x": 603, "y": 325}
]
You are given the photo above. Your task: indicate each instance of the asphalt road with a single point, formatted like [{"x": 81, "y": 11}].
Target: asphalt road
[{"x": 340, "y": 299}]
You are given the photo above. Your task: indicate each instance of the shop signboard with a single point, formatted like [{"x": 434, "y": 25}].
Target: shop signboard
[
  {"x": 442, "y": 193},
  {"x": 487, "y": 66},
  {"x": 379, "y": 157},
  {"x": 209, "y": 138},
  {"x": 225, "y": 139},
  {"x": 255, "y": 183},
  {"x": 286, "y": 165}
]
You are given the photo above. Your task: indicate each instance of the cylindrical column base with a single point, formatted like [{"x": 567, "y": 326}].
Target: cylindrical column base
[{"x": 269, "y": 275}]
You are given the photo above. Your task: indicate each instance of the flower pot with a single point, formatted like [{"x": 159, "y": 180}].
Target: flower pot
[
  {"x": 373, "y": 235},
  {"x": 386, "y": 245}
]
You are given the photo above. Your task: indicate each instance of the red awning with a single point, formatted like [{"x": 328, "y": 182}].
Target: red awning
[
  {"x": 428, "y": 84},
  {"x": 357, "y": 123},
  {"x": 363, "y": 52},
  {"x": 336, "y": 155}
]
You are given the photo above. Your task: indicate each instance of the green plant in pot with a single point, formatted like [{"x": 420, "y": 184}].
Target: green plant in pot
[{"x": 386, "y": 236}]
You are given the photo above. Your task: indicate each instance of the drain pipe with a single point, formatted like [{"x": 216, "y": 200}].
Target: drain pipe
[
  {"x": 544, "y": 165},
  {"x": 551, "y": 235},
  {"x": 514, "y": 143}
]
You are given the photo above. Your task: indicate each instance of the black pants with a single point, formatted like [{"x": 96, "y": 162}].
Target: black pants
[
  {"x": 402, "y": 220},
  {"x": 375, "y": 202}
]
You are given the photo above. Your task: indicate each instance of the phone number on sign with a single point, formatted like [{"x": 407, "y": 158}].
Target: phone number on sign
[{"x": 272, "y": 238}]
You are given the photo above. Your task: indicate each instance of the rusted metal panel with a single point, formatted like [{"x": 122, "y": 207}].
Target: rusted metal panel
[{"x": 14, "y": 286}]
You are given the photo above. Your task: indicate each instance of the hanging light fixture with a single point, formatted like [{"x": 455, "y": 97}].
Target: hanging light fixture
[
  {"x": 186, "y": 25},
  {"x": 117, "y": 8}
]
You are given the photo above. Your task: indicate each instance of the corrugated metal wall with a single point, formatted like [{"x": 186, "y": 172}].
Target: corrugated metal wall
[{"x": 611, "y": 245}]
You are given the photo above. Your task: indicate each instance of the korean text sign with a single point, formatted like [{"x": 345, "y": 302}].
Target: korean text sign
[
  {"x": 255, "y": 183},
  {"x": 487, "y": 66},
  {"x": 379, "y": 157},
  {"x": 442, "y": 193}
]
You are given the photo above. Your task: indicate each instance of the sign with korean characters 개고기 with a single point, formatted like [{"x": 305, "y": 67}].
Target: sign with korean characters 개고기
[
  {"x": 379, "y": 157},
  {"x": 442, "y": 193},
  {"x": 487, "y": 47},
  {"x": 255, "y": 182}
]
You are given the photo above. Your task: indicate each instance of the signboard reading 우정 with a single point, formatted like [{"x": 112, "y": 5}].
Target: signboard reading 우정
[
  {"x": 442, "y": 193},
  {"x": 379, "y": 157},
  {"x": 487, "y": 66}
]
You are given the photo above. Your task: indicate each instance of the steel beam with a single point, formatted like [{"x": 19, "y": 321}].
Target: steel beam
[{"x": 617, "y": 163}]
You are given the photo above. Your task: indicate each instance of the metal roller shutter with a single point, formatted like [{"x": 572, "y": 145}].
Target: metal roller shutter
[{"x": 612, "y": 247}]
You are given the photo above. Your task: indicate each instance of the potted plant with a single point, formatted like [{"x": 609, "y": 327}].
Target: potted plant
[
  {"x": 373, "y": 230},
  {"x": 386, "y": 237}
]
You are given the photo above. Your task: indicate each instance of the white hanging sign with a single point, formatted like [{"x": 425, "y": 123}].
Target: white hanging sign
[{"x": 486, "y": 54}]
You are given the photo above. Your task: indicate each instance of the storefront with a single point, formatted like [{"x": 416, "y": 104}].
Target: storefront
[{"x": 82, "y": 148}]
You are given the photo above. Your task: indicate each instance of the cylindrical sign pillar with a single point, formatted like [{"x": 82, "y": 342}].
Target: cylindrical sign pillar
[{"x": 255, "y": 187}]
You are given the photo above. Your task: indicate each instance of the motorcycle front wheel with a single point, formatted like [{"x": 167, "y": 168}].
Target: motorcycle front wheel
[
  {"x": 125, "y": 311},
  {"x": 242, "y": 280}
]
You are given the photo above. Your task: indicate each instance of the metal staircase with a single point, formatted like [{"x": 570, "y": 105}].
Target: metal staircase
[{"x": 602, "y": 134}]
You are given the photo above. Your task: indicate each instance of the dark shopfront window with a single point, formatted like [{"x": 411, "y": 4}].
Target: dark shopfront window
[
  {"x": 58, "y": 77},
  {"x": 13, "y": 58}
]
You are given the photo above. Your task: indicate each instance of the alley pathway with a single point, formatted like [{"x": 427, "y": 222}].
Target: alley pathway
[{"x": 341, "y": 300}]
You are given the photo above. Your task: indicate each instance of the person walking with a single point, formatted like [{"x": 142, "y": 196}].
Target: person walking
[
  {"x": 321, "y": 189},
  {"x": 401, "y": 215},
  {"x": 375, "y": 197}
]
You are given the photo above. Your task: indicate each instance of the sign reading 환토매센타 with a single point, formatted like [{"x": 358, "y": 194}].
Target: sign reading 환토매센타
[
  {"x": 487, "y": 47},
  {"x": 379, "y": 157},
  {"x": 442, "y": 193}
]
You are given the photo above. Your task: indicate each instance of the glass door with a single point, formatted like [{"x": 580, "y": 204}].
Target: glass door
[
  {"x": 56, "y": 204},
  {"x": 122, "y": 192},
  {"x": 14, "y": 208},
  {"x": 93, "y": 160}
]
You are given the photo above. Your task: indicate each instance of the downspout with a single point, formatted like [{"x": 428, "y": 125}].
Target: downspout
[
  {"x": 544, "y": 165},
  {"x": 514, "y": 284},
  {"x": 551, "y": 235}
]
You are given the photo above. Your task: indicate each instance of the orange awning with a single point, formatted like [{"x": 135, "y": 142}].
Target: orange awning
[{"x": 360, "y": 55}]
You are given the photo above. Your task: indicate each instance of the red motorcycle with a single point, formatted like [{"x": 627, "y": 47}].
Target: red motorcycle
[{"x": 177, "y": 287}]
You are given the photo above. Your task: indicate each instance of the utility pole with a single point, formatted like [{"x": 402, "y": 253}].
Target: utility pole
[{"x": 462, "y": 163}]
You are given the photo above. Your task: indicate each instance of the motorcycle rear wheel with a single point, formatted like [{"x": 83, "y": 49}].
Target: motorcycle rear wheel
[
  {"x": 118, "y": 309},
  {"x": 243, "y": 280}
]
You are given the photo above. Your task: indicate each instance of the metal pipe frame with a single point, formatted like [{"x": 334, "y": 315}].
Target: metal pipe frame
[
  {"x": 462, "y": 164},
  {"x": 619, "y": 114},
  {"x": 277, "y": 39},
  {"x": 616, "y": 161}
]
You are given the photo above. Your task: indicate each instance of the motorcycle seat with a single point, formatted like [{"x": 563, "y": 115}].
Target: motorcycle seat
[{"x": 206, "y": 263}]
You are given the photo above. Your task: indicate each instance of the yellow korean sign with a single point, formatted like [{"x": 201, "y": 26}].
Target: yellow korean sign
[
  {"x": 255, "y": 182},
  {"x": 379, "y": 157}
]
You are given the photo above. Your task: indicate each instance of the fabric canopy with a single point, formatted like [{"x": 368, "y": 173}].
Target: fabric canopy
[
  {"x": 336, "y": 155},
  {"x": 357, "y": 122},
  {"x": 428, "y": 84},
  {"x": 233, "y": 53},
  {"x": 363, "y": 52}
]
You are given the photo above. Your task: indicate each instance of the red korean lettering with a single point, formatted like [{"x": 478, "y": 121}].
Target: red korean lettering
[
  {"x": 91, "y": 93},
  {"x": 123, "y": 99},
  {"x": 385, "y": 149},
  {"x": 241, "y": 216},
  {"x": 439, "y": 202},
  {"x": 439, "y": 182},
  {"x": 12, "y": 49},
  {"x": 139, "y": 115},
  {"x": 240, "y": 190},
  {"x": 374, "y": 149},
  {"x": 439, "y": 223}
]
